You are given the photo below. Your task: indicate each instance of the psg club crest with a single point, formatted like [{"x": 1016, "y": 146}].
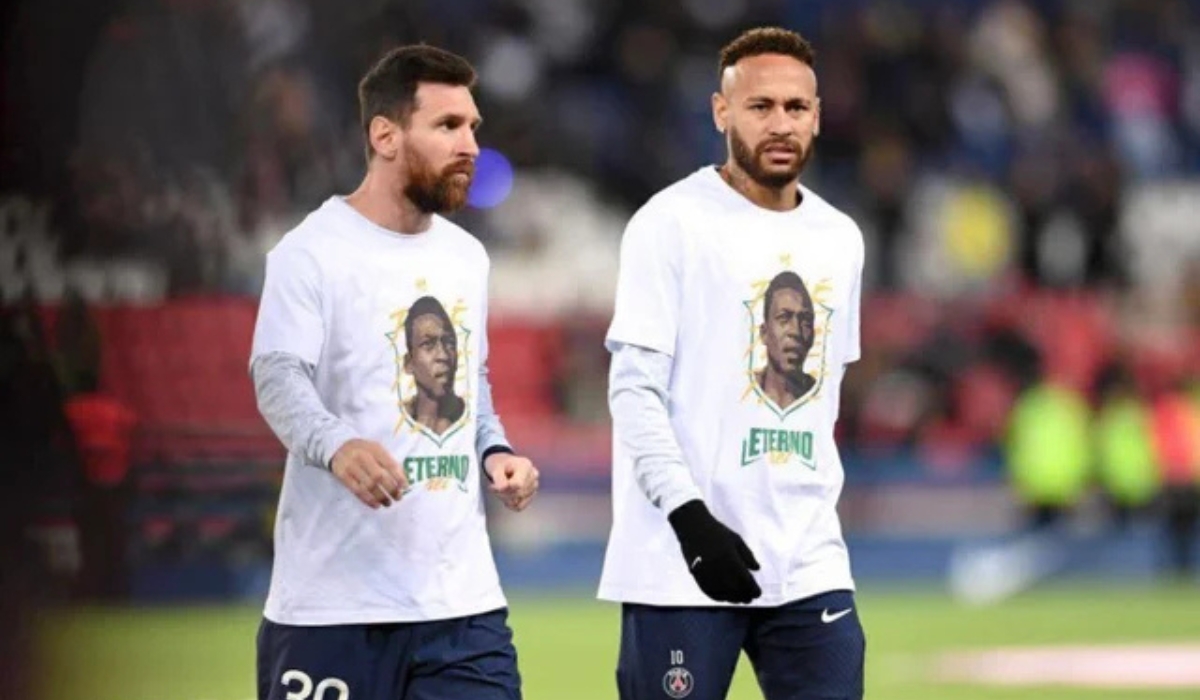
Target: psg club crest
[{"x": 678, "y": 682}]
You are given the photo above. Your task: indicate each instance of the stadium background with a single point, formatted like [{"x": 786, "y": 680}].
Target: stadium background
[{"x": 1027, "y": 174}]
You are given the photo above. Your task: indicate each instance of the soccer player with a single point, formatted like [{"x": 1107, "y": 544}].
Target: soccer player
[
  {"x": 383, "y": 583},
  {"x": 725, "y": 533}
]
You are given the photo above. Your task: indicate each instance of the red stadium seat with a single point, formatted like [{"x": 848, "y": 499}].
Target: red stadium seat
[{"x": 524, "y": 360}]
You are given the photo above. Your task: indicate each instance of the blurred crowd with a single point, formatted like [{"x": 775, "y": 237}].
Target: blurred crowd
[
  {"x": 191, "y": 133},
  {"x": 1138, "y": 447},
  {"x": 1025, "y": 171}
]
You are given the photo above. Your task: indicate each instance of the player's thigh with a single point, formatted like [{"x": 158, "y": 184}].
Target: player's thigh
[
  {"x": 470, "y": 657},
  {"x": 342, "y": 662},
  {"x": 810, "y": 649},
  {"x": 678, "y": 652}
]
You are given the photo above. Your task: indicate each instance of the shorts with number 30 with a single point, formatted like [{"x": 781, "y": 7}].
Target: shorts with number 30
[{"x": 467, "y": 657}]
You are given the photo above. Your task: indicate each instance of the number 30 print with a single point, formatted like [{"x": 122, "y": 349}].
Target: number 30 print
[{"x": 300, "y": 687}]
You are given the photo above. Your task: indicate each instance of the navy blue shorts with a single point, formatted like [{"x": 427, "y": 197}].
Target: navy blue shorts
[
  {"x": 805, "y": 650},
  {"x": 466, "y": 657}
]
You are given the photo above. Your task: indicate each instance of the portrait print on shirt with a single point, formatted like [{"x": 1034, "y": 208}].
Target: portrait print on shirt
[
  {"x": 432, "y": 373},
  {"x": 789, "y": 325}
]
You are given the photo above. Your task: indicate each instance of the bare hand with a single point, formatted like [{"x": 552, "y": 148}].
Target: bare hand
[
  {"x": 514, "y": 479},
  {"x": 370, "y": 472}
]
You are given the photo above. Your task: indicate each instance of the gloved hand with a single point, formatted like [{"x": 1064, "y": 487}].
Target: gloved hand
[{"x": 717, "y": 557}]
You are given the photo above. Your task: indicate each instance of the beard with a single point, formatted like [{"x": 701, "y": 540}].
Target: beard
[
  {"x": 434, "y": 192},
  {"x": 751, "y": 160}
]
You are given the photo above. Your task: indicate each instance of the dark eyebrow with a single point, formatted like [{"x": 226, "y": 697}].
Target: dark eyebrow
[
  {"x": 789, "y": 102},
  {"x": 459, "y": 118}
]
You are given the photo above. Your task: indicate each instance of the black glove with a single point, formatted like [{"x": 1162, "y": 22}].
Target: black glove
[{"x": 717, "y": 557}]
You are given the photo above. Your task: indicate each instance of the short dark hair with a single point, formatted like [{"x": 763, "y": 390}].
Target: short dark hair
[
  {"x": 389, "y": 89},
  {"x": 784, "y": 280},
  {"x": 765, "y": 40},
  {"x": 425, "y": 306}
]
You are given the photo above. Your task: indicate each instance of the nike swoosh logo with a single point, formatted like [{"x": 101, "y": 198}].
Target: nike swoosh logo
[
  {"x": 827, "y": 618},
  {"x": 695, "y": 562}
]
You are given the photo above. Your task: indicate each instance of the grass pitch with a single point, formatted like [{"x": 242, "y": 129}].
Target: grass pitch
[{"x": 567, "y": 645}]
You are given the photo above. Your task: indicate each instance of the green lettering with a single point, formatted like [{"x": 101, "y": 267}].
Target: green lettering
[
  {"x": 778, "y": 443},
  {"x": 424, "y": 468}
]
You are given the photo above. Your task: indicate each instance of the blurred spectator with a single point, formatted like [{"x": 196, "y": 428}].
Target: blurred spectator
[
  {"x": 1036, "y": 187},
  {"x": 103, "y": 430},
  {"x": 1010, "y": 43},
  {"x": 101, "y": 427},
  {"x": 1094, "y": 198},
  {"x": 887, "y": 172},
  {"x": 1191, "y": 300},
  {"x": 34, "y": 432},
  {"x": 1176, "y": 421},
  {"x": 162, "y": 84},
  {"x": 945, "y": 445},
  {"x": 1141, "y": 90},
  {"x": 1048, "y": 451},
  {"x": 1127, "y": 469},
  {"x": 36, "y": 470},
  {"x": 77, "y": 345}
]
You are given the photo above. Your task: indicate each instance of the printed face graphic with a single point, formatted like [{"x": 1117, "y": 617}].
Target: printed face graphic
[
  {"x": 431, "y": 403},
  {"x": 787, "y": 331},
  {"x": 432, "y": 357}
]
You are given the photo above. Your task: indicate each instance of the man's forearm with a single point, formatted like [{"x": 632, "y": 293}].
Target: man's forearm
[
  {"x": 489, "y": 431},
  {"x": 288, "y": 400},
  {"x": 638, "y": 382}
]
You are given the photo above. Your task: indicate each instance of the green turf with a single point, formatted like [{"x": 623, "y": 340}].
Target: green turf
[{"x": 567, "y": 645}]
